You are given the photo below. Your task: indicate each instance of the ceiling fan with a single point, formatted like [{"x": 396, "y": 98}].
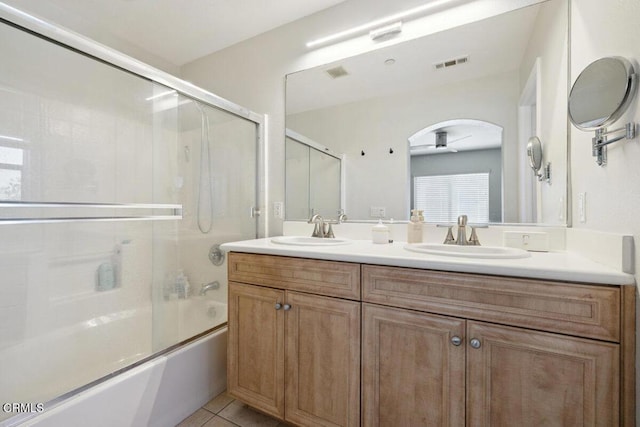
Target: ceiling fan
[{"x": 442, "y": 142}]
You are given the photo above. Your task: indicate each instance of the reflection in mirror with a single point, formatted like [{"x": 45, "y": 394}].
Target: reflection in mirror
[
  {"x": 534, "y": 152},
  {"x": 535, "y": 156},
  {"x": 456, "y": 169},
  {"x": 312, "y": 179},
  {"x": 510, "y": 71}
]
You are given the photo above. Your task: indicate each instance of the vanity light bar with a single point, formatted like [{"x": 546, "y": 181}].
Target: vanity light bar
[{"x": 378, "y": 22}]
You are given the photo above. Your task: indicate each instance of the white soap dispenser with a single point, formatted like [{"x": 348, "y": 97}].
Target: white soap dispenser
[{"x": 380, "y": 233}]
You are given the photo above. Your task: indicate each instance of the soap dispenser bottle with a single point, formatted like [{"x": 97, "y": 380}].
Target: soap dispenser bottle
[
  {"x": 380, "y": 233},
  {"x": 414, "y": 228}
]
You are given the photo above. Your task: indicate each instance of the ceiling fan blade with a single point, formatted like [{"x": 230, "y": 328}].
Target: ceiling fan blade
[{"x": 460, "y": 139}]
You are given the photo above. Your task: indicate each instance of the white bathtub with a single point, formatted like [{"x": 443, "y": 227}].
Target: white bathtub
[
  {"x": 161, "y": 392},
  {"x": 67, "y": 358},
  {"x": 197, "y": 314}
]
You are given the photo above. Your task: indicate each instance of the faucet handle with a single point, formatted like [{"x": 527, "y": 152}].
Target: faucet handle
[
  {"x": 329, "y": 232},
  {"x": 449, "y": 240},
  {"x": 473, "y": 239},
  {"x": 462, "y": 221},
  {"x": 318, "y": 230}
]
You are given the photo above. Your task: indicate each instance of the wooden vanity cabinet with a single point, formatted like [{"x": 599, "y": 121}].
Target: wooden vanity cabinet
[
  {"x": 255, "y": 362},
  {"x": 295, "y": 355},
  {"x": 421, "y": 369},
  {"x": 528, "y": 378},
  {"x": 438, "y": 348},
  {"x": 412, "y": 372},
  {"x": 511, "y": 376}
]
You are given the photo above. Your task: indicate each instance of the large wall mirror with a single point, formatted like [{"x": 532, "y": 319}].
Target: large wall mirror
[{"x": 433, "y": 121}]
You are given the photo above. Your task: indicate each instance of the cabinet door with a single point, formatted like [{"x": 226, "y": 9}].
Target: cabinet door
[
  {"x": 519, "y": 377},
  {"x": 413, "y": 368},
  {"x": 323, "y": 361},
  {"x": 256, "y": 347}
]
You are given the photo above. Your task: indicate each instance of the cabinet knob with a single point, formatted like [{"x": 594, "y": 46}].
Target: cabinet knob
[
  {"x": 456, "y": 340},
  {"x": 278, "y": 306},
  {"x": 475, "y": 343},
  {"x": 287, "y": 307}
]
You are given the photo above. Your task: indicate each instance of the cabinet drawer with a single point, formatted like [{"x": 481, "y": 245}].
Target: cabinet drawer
[
  {"x": 584, "y": 310},
  {"x": 331, "y": 278}
]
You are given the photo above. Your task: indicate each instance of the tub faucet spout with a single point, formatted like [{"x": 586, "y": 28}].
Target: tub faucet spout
[{"x": 209, "y": 286}]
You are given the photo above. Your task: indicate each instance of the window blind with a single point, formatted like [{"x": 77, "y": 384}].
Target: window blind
[{"x": 444, "y": 197}]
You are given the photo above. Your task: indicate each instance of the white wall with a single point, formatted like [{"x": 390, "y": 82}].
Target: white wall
[
  {"x": 378, "y": 178},
  {"x": 612, "y": 191}
]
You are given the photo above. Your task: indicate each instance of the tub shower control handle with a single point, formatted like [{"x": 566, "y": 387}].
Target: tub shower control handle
[
  {"x": 475, "y": 343},
  {"x": 287, "y": 307},
  {"x": 456, "y": 340},
  {"x": 278, "y": 306}
]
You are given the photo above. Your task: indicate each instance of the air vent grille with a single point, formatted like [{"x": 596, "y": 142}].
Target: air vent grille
[
  {"x": 337, "y": 72},
  {"x": 451, "y": 62}
]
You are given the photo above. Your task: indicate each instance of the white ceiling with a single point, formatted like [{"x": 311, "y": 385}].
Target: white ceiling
[{"x": 178, "y": 31}]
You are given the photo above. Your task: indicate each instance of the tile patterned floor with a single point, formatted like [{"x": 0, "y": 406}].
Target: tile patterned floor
[{"x": 225, "y": 411}]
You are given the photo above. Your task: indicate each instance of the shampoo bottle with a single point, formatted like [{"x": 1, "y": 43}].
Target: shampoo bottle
[{"x": 414, "y": 228}]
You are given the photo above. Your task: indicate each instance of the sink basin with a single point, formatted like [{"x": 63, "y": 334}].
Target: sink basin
[
  {"x": 482, "y": 252},
  {"x": 308, "y": 241}
]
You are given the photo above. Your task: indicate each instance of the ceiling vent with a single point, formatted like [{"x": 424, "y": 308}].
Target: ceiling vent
[
  {"x": 451, "y": 62},
  {"x": 337, "y": 72}
]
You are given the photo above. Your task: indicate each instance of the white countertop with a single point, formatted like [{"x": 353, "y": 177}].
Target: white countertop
[{"x": 559, "y": 265}]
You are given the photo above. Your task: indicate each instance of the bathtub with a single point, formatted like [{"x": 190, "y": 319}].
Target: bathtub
[
  {"x": 197, "y": 314},
  {"x": 159, "y": 392}
]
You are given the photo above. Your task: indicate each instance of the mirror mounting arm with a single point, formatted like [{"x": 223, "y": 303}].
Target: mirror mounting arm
[{"x": 599, "y": 142}]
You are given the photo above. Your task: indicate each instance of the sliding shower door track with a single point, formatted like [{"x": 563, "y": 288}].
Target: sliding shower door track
[{"x": 26, "y": 212}]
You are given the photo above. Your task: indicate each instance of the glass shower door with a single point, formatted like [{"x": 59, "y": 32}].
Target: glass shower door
[{"x": 216, "y": 184}]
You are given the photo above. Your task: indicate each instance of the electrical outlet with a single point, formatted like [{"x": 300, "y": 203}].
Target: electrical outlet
[
  {"x": 278, "y": 210},
  {"x": 582, "y": 207},
  {"x": 528, "y": 240},
  {"x": 378, "y": 212}
]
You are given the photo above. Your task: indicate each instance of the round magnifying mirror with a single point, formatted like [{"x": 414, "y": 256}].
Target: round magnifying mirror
[
  {"x": 534, "y": 152},
  {"x": 601, "y": 93}
]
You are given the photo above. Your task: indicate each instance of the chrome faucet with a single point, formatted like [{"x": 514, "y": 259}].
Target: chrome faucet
[
  {"x": 462, "y": 230},
  {"x": 323, "y": 228},
  {"x": 209, "y": 287},
  {"x": 462, "y": 234}
]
